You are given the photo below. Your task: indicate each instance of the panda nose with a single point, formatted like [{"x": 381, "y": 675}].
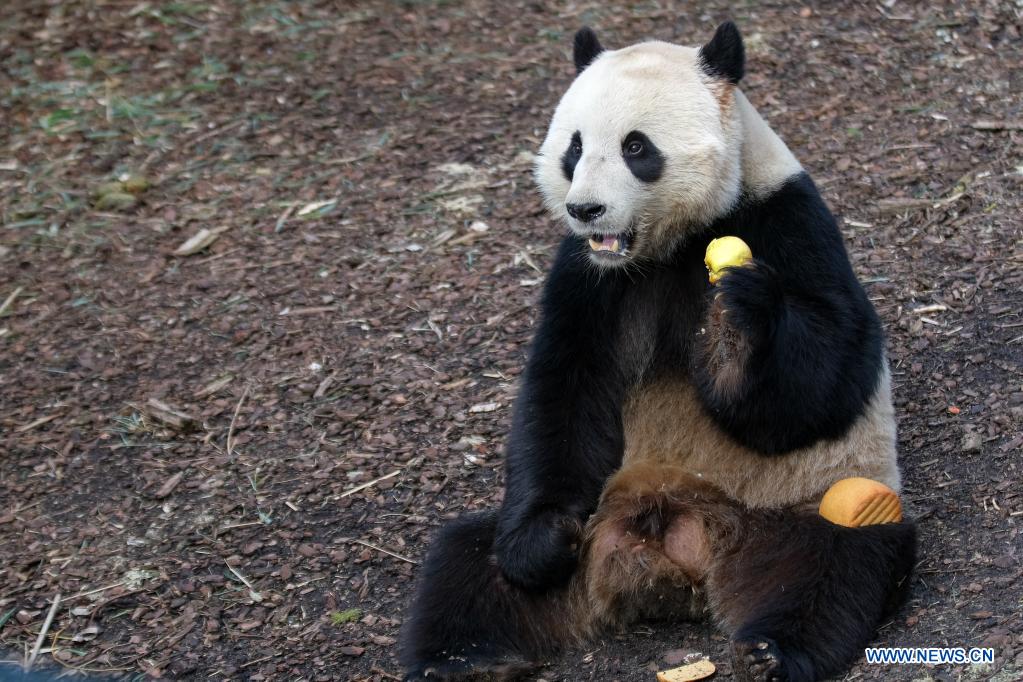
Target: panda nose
[{"x": 585, "y": 212}]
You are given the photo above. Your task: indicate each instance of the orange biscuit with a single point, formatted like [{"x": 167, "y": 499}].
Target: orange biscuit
[
  {"x": 688, "y": 673},
  {"x": 856, "y": 502}
]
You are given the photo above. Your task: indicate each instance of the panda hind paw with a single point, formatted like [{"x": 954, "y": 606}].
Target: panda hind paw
[{"x": 758, "y": 659}]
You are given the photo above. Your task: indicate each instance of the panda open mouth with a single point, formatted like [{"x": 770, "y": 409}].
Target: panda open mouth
[{"x": 610, "y": 245}]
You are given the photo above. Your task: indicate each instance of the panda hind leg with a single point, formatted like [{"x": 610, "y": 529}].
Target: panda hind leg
[{"x": 802, "y": 597}]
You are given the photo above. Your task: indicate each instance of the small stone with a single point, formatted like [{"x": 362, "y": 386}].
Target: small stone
[
  {"x": 674, "y": 657},
  {"x": 972, "y": 441},
  {"x": 1004, "y": 561},
  {"x": 25, "y": 617},
  {"x": 996, "y": 640}
]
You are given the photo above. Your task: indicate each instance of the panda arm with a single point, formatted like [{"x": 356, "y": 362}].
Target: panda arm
[
  {"x": 566, "y": 435},
  {"x": 794, "y": 351}
]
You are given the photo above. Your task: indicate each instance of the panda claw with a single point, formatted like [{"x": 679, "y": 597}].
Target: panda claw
[{"x": 758, "y": 660}]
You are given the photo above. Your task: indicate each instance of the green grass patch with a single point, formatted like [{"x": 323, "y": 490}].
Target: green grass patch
[{"x": 346, "y": 616}]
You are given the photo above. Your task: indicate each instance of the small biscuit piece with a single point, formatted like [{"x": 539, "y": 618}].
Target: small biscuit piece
[
  {"x": 687, "y": 673},
  {"x": 856, "y": 502}
]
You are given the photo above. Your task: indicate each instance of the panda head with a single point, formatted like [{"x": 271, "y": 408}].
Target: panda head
[{"x": 644, "y": 147}]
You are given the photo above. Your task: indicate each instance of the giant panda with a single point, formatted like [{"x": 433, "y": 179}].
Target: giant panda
[{"x": 671, "y": 439}]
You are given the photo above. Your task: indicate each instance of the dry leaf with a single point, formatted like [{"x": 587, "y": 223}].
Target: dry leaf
[
  {"x": 197, "y": 242},
  {"x": 87, "y": 634},
  {"x": 315, "y": 206},
  {"x": 214, "y": 386},
  {"x": 170, "y": 415},
  {"x": 169, "y": 485}
]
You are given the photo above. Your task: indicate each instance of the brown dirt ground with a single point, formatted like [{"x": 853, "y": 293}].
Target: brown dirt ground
[{"x": 315, "y": 348}]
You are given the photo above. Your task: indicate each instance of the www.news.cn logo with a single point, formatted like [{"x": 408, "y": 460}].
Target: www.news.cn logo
[{"x": 929, "y": 655}]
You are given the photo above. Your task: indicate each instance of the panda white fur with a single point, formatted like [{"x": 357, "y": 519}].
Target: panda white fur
[{"x": 671, "y": 439}]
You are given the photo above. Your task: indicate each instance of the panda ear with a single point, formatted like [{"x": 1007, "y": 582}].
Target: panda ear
[
  {"x": 724, "y": 56},
  {"x": 585, "y": 48}
]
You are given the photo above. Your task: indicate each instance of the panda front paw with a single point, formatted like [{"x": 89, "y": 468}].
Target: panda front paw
[
  {"x": 743, "y": 314},
  {"x": 749, "y": 300},
  {"x": 540, "y": 551}
]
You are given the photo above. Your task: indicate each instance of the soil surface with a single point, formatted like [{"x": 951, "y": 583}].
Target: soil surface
[{"x": 227, "y": 450}]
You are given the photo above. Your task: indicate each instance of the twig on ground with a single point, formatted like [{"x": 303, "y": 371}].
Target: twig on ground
[
  {"x": 234, "y": 418},
  {"x": 107, "y": 602},
  {"x": 998, "y": 125},
  {"x": 253, "y": 592},
  {"x": 933, "y": 308},
  {"x": 279, "y": 225},
  {"x": 10, "y": 299},
  {"x": 38, "y": 422},
  {"x": 42, "y": 633},
  {"x": 352, "y": 491},
  {"x": 315, "y": 310},
  {"x": 255, "y": 662},
  {"x": 97, "y": 590},
  {"x": 385, "y": 551},
  {"x": 241, "y": 525}
]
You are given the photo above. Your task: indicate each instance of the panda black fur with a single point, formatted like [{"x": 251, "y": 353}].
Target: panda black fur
[{"x": 671, "y": 440}]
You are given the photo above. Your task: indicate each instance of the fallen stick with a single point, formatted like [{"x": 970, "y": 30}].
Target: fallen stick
[
  {"x": 37, "y": 422},
  {"x": 95, "y": 591},
  {"x": 253, "y": 594},
  {"x": 230, "y": 429},
  {"x": 9, "y": 300},
  {"x": 352, "y": 491},
  {"x": 933, "y": 308},
  {"x": 42, "y": 633},
  {"x": 385, "y": 551},
  {"x": 256, "y": 662},
  {"x": 998, "y": 125}
]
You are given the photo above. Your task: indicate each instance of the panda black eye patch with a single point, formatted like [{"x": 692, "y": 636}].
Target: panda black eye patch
[
  {"x": 642, "y": 157},
  {"x": 570, "y": 159}
]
